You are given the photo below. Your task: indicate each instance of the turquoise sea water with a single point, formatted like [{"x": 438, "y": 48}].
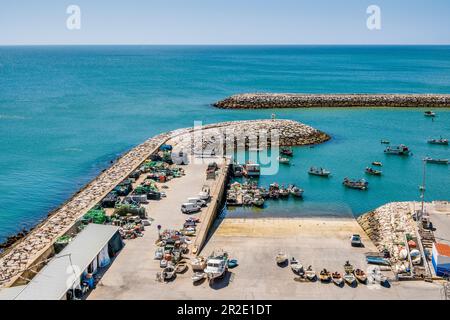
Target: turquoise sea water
[{"x": 65, "y": 112}]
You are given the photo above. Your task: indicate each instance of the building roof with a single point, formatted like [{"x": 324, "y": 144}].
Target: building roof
[
  {"x": 442, "y": 249},
  {"x": 53, "y": 281}
]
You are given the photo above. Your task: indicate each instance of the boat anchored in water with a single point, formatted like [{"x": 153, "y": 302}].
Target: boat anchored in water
[
  {"x": 377, "y": 163},
  {"x": 284, "y": 160},
  {"x": 287, "y": 152},
  {"x": 360, "y": 184},
  {"x": 373, "y": 171},
  {"x": 319, "y": 172},
  {"x": 385, "y": 142},
  {"x": 252, "y": 170},
  {"x": 436, "y": 161},
  {"x": 296, "y": 191},
  {"x": 400, "y": 150},
  {"x": 429, "y": 113},
  {"x": 440, "y": 141}
]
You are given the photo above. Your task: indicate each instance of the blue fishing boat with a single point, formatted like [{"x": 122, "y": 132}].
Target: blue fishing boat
[
  {"x": 377, "y": 260},
  {"x": 232, "y": 263}
]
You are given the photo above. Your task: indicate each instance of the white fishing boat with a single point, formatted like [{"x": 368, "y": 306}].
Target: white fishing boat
[
  {"x": 281, "y": 257},
  {"x": 296, "y": 192},
  {"x": 296, "y": 266},
  {"x": 321, "y": 172},
  {"x": 350, "y": 278},
  {"x": 377, "y": 276},
  {"x": 337, "y": 278},
  {"x": 216, "y": 265},
  {"x": 429, "y": 114},
  {"x": 440, "y": 141},
  {"x": 168, "y": 272},
  {"x": 284, "y": 160},
  {"x": 400, "y": 150},
  {"x": 197, "y": 276},
  {"x": 310, "y": 273},
  {"x": 252, "y": 169},
  {"x": 436, "y": 161}
]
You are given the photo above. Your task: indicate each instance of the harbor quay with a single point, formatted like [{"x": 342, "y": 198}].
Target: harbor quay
[
  {"x": 298, "y": 100},
  {"x": 24, "y": 258}
]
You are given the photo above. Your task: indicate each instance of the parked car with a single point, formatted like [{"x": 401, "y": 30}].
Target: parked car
[
  {"x": 190, "y": 207},
  {"x": 356, "y": 240},
  {"x": 197, "y": 200}
]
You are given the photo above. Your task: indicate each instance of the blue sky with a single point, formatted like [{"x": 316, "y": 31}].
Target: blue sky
[{"x": 224, "y": 22}]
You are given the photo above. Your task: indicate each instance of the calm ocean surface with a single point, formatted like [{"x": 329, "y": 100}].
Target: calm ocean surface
[{"x": 65, "y": 112}]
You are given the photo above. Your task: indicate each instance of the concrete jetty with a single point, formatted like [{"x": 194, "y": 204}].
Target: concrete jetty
[
  {"x": 37, "y": 246},
  {"x": 293, "y": 100}
]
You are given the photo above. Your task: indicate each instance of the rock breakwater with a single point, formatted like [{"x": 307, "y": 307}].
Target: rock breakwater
[{"x": 290, "y": 100}]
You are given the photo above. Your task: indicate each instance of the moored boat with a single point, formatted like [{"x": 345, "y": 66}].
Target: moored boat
[
  {"x": 400, "y": 150},
  {"x": 377, "y": 163},
  {"x": 373, "y": 171},
  {"x": 258, "y": 201},
  {"x": 360, "y": 184},
  {"x": 440, "y": 141},
  {"x": 385, "y": 141},
  {"x": 284, "y": 160},
  {"x": 296, "y": 191},
  {"x": 252, "y": 170},
  {"x": 286, "y": 152},
  {"x": 429, "y": 113},
  {"x": 319, "y": 172},
  {"x": 436, "y": 161}
]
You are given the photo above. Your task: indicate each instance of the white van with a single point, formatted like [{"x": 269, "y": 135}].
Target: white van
[
  {"x": 197, "y": 200},
  {"x": 190, "y": 207}
]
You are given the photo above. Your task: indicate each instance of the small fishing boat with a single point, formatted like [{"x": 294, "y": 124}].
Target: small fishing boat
[
  {"x": 286, "y": 152},
  {"x": 355, "y": 184},
  {"x": 348, "y": 267},
  {"x": 284, "y": 192},
  {"x": 264, "y": 193},
  {"x": 349, "y": 278},
  {"x": 284, "y": 160},
  {"x": 377, "y": 260},
  {"x": 337, "y": 278},
  {"x": 319, "y": 172},
  {"x": 360, "y": 275},
  {"x": 385, "y": 141},
  {"x": 440, "y": 141},
  {"x": 377, "y": 163},
  {"x": 258, "y": 201},
  {"x": 198, "y": 276},
  {"x": 296, "y": 192},
  {"x": 168, "y": 272},
  {"x": 198, "y": 264},
  {"x": 373, "y": 172},
  {"x": 429, "y": 114},
  {"x": 400, "y": 150},
  {"x": 296, "y": 266},
  {"x": 216, "y": 265},
  {"x": 377, "y": 276},
  {"x": 281, "y": 258},
  {"x": 310, "y": 273},
  {"x": 252, "y": 170},
  {"x": 181, "y": 267},
  {"x": 325, "y": 275},
  {"x": 436, "y": 161},
  {"x": 232, "y": 263}
]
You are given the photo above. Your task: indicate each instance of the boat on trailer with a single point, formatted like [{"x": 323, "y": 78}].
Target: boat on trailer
[
  {"x": 400, "y": 150},
  {"x": 321, "y": 172}
]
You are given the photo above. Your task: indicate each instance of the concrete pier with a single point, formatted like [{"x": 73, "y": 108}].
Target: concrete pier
[
  {"x": 292, "y": 100},
  {"x": 37, "y": 245}
]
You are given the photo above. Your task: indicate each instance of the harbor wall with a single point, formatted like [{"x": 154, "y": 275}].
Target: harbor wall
[
  {"x": 25, "y": 253},
  {"x": 291, "y": 100}
]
